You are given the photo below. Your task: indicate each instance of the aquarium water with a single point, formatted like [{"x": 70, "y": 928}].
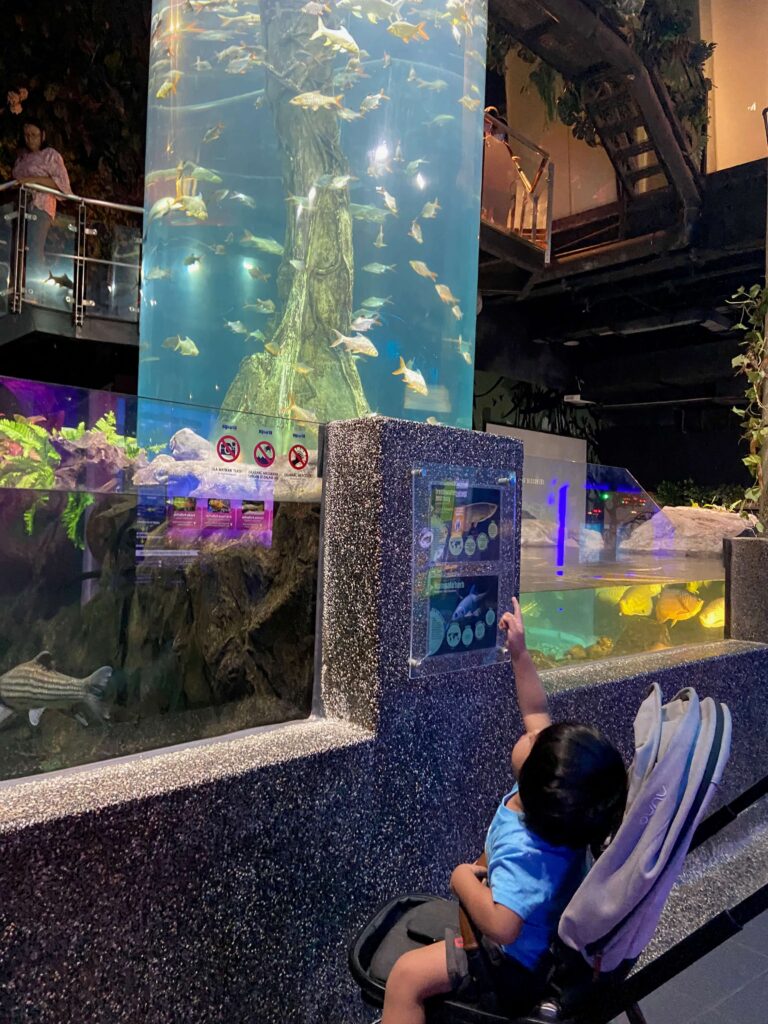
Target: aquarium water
[{"x": 312, "y": 207}]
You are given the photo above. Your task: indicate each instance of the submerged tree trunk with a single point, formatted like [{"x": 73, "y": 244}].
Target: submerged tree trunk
[{"x": 315, "y": 291}]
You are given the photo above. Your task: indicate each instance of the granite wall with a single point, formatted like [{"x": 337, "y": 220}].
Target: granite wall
[{"x": 220, "y": 883}]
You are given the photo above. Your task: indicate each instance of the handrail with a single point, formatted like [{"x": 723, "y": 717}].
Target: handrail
[
  {"x": 125, "y": 300},
  {"x": 528, "y": 216},
  {"x": 71, "y": 196}
]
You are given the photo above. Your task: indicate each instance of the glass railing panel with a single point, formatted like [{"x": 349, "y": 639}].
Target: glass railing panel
[
  {"x": 7, "y": 248},
  {"x": 166, "y": 562},
  {"x": 50, "y": 255},
  {"x": 112, "y": 263},
  {"x": 516, "y": 185},
  {"x": 604, "y": 571}
]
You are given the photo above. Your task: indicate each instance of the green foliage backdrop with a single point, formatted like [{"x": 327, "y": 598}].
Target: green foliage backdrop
[{"x": 84, "y": 63}]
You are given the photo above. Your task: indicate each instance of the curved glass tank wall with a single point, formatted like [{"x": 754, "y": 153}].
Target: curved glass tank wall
[
  {"x": 312, "y": 207},
  {"x": 605, "y": 572},
  {"x": 148, "y": 596}
]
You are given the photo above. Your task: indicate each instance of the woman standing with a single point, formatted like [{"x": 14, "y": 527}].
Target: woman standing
[{"x": 38, "y": 164}]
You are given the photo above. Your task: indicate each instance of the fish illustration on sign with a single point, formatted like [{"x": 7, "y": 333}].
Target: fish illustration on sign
[
  {"x": 35, "y": 686},
  {"x": 413, "y": 379},
  {"x": 469, "y": 606},
  {"x": 465, "y": 517}
]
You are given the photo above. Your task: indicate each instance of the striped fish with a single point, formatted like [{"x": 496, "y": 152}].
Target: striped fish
[{"x": 35, "y": 686}]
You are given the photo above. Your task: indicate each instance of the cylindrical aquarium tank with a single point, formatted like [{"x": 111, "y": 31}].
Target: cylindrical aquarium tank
[{"x": 312, "y": 207}]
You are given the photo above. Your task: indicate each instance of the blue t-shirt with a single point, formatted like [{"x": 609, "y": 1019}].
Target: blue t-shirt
[{"x": 534, "y": 879}]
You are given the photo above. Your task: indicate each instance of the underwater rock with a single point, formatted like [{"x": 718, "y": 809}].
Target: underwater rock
[
  {"x": 89, "y": 462},
  {"x": 683, "y": 530},
  {"x": 186, "y": 444},
  {"x": 640, "y": 635}
]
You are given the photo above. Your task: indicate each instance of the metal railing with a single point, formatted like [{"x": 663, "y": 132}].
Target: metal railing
[
  {"x": 86, "y": 261},
  {"x": 518, "y": 184}
]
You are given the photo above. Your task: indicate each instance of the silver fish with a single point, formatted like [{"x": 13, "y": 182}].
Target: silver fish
[{"x": 35, "y": 686}]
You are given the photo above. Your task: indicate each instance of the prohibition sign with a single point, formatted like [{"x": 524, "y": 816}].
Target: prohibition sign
[
  {"x": 298, "y": 456},
  {"x": 264, "y": 454},
  {"x": 228, "y": 448}
]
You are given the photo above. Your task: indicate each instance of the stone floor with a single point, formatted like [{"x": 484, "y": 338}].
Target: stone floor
[{"x": 728, "y": 986}]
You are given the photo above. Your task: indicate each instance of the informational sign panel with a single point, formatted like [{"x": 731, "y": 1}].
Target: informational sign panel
[{"x": 463, "y": 566}]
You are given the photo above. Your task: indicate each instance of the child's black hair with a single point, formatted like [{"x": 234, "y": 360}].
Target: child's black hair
[{"x": 573, "y": 786}]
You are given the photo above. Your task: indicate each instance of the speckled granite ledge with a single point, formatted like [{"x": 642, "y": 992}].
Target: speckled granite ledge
[{"x": 91, "y": 788}]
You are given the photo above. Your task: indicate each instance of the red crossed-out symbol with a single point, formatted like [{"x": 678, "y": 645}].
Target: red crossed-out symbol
[
  {"x": 298, "y": 456},
  {"x": 264, "y": 454},
  {"x": 228, "y": 448}
]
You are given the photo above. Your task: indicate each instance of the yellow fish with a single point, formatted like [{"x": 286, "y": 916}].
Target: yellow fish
[
  {"x": 469, "y": 103},
  {"x": 169, "y": 85},
  {"x": 423, "y": 270},
  {"x": 272, "y": 348},
  {"x": 413, "y": 379},
  {"x": 295, "y": 412},
  {"x": 713, "y": 616},
  {"x": 675, "y": 605},
  {"x": 193, "y": 206},
  {"x": 184, "y": 346},
  {"x": 446, "y": 294},
  {"x": 415, "y": 232},
  {"x": 389, "y": 201},
  {"x": 316, "y": 101},
  {"x": 405, "y": 31},
  {"x": 610, "y": 595},
  {"x": 639, "y": 600},
  {"x": 380, "y": 243},
  {"x": 337, "y": 39},
  {"x": 429, "y": 210},
  {"x": 456, "y": 310}
]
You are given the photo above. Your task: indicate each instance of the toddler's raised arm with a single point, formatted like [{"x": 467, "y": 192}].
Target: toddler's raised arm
[{"x": 531, "y": 698}]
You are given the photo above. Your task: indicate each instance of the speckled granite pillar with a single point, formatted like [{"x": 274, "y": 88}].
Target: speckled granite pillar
[
  {"x": 221, "y": 883},
  {"x": 746, "y": 588},
  {"x": 367, "y": 545}
]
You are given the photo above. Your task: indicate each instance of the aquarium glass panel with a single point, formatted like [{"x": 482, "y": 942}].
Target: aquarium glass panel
[
  {"x": 113, "y": 264},
  {"x": 148, "y": 595},
  {"x": 605, "y": 572},
  {"x": 135, "y": 621},
  {"x": 312, "y": 207},
  {"x": 463, "y": 566},
  {"x": 7, "y": 243},
  {"x": 73, "y": 438},
  {"x": 50, "y": 267}
]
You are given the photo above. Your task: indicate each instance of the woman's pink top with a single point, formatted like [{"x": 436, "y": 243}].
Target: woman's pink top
[{"x": 46, "y": 163}]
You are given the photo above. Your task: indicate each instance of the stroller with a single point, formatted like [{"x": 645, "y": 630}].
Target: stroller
[{"x": 681, "y": 750}]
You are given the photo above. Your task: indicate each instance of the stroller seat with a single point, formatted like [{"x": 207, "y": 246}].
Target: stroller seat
[{"x": 418, "y": 919}]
